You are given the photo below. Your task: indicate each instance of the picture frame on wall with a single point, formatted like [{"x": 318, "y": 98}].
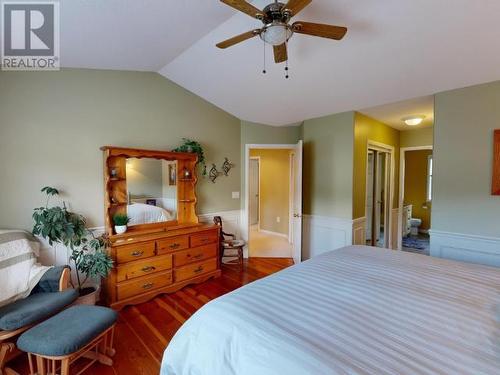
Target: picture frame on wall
[
  {"x": 495, "y": 188},
  {"x": 172, "y": 174}
]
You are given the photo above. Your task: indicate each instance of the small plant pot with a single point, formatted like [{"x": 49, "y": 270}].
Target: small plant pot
[
  {"x": 120, "y": 229},
  {"x": 88, "y": 297}
]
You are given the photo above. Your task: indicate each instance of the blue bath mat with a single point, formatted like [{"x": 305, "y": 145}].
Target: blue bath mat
[{"x": 414, "y": 243}]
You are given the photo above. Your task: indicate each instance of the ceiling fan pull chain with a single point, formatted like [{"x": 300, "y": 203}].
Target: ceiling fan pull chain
[
  {"x": 286, "y": 63},
  {"x": 264, "y": 62}
]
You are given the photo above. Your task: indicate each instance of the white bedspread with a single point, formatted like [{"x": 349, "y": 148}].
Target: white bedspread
[
  {"x": 140, "y": 213},
  {"x": 357, "y": 310}
]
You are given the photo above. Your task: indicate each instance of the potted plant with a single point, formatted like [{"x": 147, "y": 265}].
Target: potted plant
[
  {"x": 120, "y": 221},
  {"x": 58, "y": 225},
  {"x": 193, "y": 147}
]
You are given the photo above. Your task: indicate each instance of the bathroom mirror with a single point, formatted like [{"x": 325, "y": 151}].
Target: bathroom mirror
[{"x": 151, "y": 190}]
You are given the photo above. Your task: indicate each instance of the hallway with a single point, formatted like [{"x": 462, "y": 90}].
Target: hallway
[{"x": 268, "y": 245}]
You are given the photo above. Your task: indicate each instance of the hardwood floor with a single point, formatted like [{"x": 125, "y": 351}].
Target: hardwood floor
[{"x": 143, "y": 331}]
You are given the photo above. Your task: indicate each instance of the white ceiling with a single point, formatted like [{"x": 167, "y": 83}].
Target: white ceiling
[
  {"x": 392, "y": 114},
  {"x": 394, "y": 50}
]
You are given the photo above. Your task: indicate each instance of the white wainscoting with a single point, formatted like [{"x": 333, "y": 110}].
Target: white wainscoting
[
  {"x": 322, "y": 234},
  {"x": 359, "y": 231},
  {"x": 465, "y": 247}
]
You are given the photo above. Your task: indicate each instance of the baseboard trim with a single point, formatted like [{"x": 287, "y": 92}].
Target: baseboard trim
[
  {"x": 273, "y": 233},
  {"x": 465, "y": 247}
]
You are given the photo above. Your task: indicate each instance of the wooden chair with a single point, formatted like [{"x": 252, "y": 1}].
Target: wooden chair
[
  {"x": 229, "y": 244},
  {"x": 55, "y": 281}
]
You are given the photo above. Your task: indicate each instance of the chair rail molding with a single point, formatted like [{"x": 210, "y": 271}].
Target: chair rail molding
[
  {"x": 465, "y": 247},
  {"x": 322, "y": 234}
]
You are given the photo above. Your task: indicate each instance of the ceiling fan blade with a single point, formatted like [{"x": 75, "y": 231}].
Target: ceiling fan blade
[
  {"x": 280, "y": 53},
  {"x": 238, "y": 39},
  {"x": 295, "y": 6},
  {"x": 318, "y": 29},
  {"x": 244, "y": 7}
]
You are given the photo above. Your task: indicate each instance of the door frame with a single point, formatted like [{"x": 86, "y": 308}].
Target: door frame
[
  {"x": 402, "y": 171},
  {"x": 245, "y": 213},
  {"x": 382, "y": 147},
  {"x": 258, "y": 188}
]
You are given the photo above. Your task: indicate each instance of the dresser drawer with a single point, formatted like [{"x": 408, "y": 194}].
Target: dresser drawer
[
  {"x": 172, "y": 244},
  {"x": 129, "y": 253},
  {"x": 135, "y": 287},
  {"x": 143, "y": 267},
  {"x": 195, "y": 254},
  {"x": 203, "y": 238},
  {"x": 195, "y": 269}
]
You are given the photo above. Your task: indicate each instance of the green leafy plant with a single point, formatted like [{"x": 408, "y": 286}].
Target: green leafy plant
[
  {"x": 194, "y": 147},
  {"x": 121, "y": 219},
  {"x": 59, "y": 225}
]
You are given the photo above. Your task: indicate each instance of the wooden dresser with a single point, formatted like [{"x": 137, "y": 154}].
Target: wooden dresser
[
  {"x": 159, "y": 257},
  {"x": 161, "y": 262}
]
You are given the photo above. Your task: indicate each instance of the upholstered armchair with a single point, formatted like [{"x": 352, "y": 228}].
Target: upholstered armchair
[{"x": 50, "y": 296}]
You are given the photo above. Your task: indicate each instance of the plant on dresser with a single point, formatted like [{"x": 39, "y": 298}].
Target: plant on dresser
[{"x": 158, "y": 257}]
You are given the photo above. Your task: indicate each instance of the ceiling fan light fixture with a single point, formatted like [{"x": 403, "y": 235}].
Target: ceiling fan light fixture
[
  {"x": 276, "y": 33},
  {"x": 413, "y": 120}
]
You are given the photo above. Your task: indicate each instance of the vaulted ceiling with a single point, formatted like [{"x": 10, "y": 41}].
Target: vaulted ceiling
[{"x": 394, "y": 50}]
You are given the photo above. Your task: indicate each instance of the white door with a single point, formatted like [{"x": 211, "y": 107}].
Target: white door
[
  {"x": 369, "y": 196},
  {"x": 253, "y": 191},
  {"x": 297, "y": 204}
]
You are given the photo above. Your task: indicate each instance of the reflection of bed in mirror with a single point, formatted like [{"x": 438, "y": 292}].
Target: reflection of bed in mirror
[
  {"x": 141, "y": 213},
  {"x": 152, "y": 190}
]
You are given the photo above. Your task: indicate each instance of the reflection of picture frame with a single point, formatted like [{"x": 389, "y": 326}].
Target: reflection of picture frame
[{"x": 172, "y": 174}]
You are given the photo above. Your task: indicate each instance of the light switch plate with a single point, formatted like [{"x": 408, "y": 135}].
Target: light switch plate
[{"x": 236, "y": 195}]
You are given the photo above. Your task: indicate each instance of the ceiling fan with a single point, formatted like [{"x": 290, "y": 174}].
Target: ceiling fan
[{"x": 277, "y": 28}]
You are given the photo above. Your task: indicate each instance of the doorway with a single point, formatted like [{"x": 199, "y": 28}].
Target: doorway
[
  {"x": 378, "y": 196},
  {"x": 253, "y": 191},
  {"x": 273, "y": 201},
  {"x": 416, "y": 177}
]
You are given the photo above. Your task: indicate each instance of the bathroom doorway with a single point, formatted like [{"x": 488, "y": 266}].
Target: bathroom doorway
[
  {"x": 416, "y": 178},
  {"x": 378, "y": 196}
]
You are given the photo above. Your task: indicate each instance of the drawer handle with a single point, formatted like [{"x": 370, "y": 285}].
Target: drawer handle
[
  {"x": 198, "y": 256},
  {"x": 147, "y": 286},
  {"x": 199, "y": 269},
  {"x": 137, "y": 253},
  {"x": 205, "y": 240},
  {"x": 175, "y": 245},
  {"x": 148, "y": 269}
]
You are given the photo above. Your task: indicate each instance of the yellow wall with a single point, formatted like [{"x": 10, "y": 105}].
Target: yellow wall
[
  {"x": 416, "y": 185},
  {"x": 365, "y": 129},
  {"x": 274, "y": 189},
  {"x": 417, "y": 137}
]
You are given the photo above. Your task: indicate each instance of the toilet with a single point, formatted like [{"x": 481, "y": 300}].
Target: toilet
[{"x": 414, "y": 225}]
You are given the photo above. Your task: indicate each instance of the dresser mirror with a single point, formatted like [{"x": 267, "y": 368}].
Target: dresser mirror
[
  {"x": 151, "y": 190},
  {"x": 155, "y": 189}
]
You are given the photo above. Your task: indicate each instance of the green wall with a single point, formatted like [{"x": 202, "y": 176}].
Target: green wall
[
  {"x": 367, "y": 129},
  {"x": 463, "y": 155},
  {"x": 328, "y": 165},
  {"x": 53, "y": 123}
]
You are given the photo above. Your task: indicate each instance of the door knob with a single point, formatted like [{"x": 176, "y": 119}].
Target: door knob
[{"x": 297, "y": 215}]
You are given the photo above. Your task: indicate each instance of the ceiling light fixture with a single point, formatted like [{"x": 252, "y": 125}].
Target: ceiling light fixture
[
  {"x": 276, "y": 33},
  {"x": 413, "y": 120}
]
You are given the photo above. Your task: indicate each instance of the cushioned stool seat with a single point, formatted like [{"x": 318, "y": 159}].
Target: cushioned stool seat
[
  {"x": 34, "y": 308},
  {"x": 80, "y": 331},
  {"x": 68, "y": 331}
]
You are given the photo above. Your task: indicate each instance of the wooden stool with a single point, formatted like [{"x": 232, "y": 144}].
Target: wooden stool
[{"x": 78, "y": 332}]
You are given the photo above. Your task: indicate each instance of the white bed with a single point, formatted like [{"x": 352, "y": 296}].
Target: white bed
[
  {"x": 140, "y": 213},
  {"x": 357, "y": 310}
]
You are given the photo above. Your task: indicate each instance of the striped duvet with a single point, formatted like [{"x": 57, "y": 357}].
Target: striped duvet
[{"x": 357, "y": 310}]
